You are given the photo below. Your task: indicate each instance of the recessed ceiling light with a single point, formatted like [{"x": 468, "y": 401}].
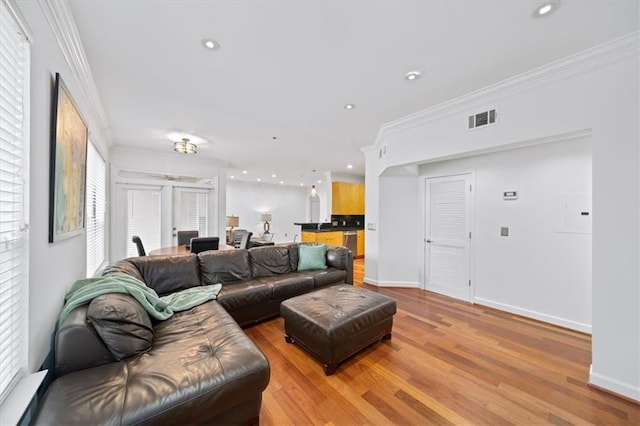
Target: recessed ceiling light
[
  {"x": 349, "y": 106},
  {"x": 273, "y": 175},
  {"x": 412, "y": 75},
  {"x": 281, "y": 182},
  {"x": 301, "y": 184},
  {"x": 244, "y": 172},
  {"x": 319, "y": 181},
  {"x": 232, "y": 177},
  {"x": 210, "y": 44},
  {"x": 259, "y": 179},
  {"x": 546, "y": 9},
  {"x": 349, "y": 166}
]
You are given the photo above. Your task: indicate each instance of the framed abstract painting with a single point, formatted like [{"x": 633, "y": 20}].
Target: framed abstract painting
[{"x": 68, "y": 166}]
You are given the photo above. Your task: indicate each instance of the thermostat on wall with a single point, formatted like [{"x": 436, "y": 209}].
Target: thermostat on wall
[{"x": 510, "y": 195}]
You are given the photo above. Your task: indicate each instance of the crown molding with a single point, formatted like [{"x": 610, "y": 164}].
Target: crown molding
[
  {"x": 63, "y": 25},
  {"x": 576, "y": 64},
  {"x": 14, "y": 10}
]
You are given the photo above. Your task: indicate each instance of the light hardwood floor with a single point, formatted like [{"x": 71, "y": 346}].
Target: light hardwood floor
[{"x": 448, "y": 362}]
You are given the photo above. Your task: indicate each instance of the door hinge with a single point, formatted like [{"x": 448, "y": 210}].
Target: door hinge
[
  {"x": 470, "y": 187},
  {"x": 469, "y": 234},
  {"x": 469, "y": 283}
]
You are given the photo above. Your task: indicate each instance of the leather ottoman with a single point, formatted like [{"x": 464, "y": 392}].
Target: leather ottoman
[{"x": 336, "y": 322}]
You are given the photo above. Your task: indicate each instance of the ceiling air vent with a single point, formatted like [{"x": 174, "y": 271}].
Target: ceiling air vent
[{"x": 484, "y": 118}]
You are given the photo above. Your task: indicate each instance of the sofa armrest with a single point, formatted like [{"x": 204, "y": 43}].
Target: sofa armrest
[
  {"x": 341, "y": 257},
  {"x": 78, "y": 346}
]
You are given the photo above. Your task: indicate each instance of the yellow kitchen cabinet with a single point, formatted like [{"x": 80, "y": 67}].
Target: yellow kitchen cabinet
[
  {"x": 360, "y": 249},
  {"x": 347, "y": 198},
  {"x": 332, "y": 238},
  {"x": 309, "y": 237}
]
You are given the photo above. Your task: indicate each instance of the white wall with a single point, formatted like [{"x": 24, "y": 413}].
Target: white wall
[
  {"x": 53, "y": 267},
  {"x": 165, "y": 162},
  {"x": 287, "y": 204},
  {"x": 535, "y": 271},
  {"x": 597, "y": 90}
]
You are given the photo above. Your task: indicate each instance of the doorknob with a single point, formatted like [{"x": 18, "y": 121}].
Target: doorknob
[{"x": 429, "y": 241}]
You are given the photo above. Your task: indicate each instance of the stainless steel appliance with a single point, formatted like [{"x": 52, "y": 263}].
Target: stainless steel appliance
[{"x": 350, "y": 241}]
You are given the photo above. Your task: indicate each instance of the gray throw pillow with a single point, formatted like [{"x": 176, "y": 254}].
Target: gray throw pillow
[{"x": 122, "y": 323}]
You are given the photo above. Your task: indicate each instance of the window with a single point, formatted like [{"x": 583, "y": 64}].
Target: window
[
  {"x": 14, "y": 173},
  {"x": 96, "y": 210}
]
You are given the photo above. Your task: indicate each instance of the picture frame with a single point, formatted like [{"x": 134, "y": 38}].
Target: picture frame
[{"x": 68, "y": 166}]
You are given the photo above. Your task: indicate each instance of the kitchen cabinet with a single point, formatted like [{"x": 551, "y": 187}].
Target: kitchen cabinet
[
  {"x": 332, "y": 238},
  {"x": 347, "y": 198},
  {"x": 360, "y": 251}
]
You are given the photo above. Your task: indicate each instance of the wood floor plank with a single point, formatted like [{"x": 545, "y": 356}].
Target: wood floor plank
[{"x": 448, "y": 362}]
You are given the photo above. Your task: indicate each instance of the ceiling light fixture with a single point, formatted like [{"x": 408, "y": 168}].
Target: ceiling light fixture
[
  {"x": 412, "y": 75},
  {"x": 244, "y": 172},
  {"x": 273, "y": 175},
  {"x": 349, "y": 106},
  {"x": 349, "y": 166},
  {"x": 210, "y": 44},
  {"x": 185, "y": 147},
  {"x": 546, "y": 8},
  {"x": 259, "y": 180},
  {"x": 232, "y": 177}
]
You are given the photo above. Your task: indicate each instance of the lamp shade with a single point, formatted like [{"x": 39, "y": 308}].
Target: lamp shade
[
  {"x": 233, "y": 221},
  {"x": 265, "y": 217}
]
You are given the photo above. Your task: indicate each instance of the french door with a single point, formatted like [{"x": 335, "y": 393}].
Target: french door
[
  {"x": 156, "y": 212},
  {"x": 448, "y": 235}
]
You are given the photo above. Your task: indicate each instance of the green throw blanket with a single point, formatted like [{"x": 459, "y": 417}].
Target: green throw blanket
[{"x": 160, "y": 308}]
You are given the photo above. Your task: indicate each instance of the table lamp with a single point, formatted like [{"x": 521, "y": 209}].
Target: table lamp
[
  {"x": 266, "y": 217},
  {"x": 232, "y": 222}
]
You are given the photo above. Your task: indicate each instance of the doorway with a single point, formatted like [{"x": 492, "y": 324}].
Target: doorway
[{"x": 447, "y": 241}]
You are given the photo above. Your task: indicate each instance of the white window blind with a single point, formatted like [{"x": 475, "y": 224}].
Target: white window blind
[
  {"x": 143, "y": 219},
  {"x": 96, "y": 210},
  {"x": 194, "y": 211},
  {"x": 14, "y": 126}
]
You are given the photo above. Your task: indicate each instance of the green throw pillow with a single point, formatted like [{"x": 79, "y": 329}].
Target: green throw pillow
[{"x": 312, "y": 256}]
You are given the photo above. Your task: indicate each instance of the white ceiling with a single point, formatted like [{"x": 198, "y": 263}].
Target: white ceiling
[{"x": 285, "y": 69}]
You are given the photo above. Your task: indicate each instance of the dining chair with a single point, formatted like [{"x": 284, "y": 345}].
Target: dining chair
[
  {"x": 199, "y": 244},
  {"x": 184, "y": 237},
  {"x": 245, "y": 243},
  {"x": 138, "y": 242}
]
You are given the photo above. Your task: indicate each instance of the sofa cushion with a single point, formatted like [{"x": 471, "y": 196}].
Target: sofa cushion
[
  {"x": 122, "y": 324},
  {"x": 224, "y": 266},
  {"x": 243, "y": 293},
  {"x": 312, "y": 256},
  {"x": 289, "y": 285},
  {"x": 293, "y": 255},
  {"x": 268, "y": 261},
  {"x": 168, "y": 274},
  {"x": 329, "y": 276},
  {"x": 338, "y": 257}
]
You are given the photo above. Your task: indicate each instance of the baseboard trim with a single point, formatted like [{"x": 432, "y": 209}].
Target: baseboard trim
[
  {"x": 562, "y": 322},
  {"x": 608, "y": 384},
  {"x": 405, "y": 284}
]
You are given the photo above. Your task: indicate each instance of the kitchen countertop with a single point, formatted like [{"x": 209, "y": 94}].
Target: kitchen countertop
[{"x": 336, "y": 228}]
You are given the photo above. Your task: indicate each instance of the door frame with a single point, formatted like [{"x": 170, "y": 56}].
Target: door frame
[{"x": 423, "y": 178}]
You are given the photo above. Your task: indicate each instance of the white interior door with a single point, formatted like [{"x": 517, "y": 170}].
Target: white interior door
[{"x": 447, "y": 236}]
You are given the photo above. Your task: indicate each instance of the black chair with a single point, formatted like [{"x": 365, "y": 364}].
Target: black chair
[
  {"x": 184, "y": 237},
  {"x": 245, "y": 242},
  {"x": 139, "y": 246},
  {"x": 199, "y": 244}
]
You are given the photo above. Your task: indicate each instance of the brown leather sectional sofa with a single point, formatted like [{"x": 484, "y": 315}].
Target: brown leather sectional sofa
[{"x": 201, "y": 367}]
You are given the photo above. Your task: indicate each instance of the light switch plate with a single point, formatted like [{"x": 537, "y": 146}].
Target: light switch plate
[
  {"x": 504, "y": 231},
  {"x": 371, "y": 226}
]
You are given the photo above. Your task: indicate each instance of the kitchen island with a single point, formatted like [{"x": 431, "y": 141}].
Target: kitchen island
[{"x": 348, "y": 236}]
